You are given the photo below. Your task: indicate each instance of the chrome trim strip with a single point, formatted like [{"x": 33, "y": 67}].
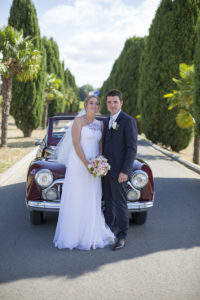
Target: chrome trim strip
[
  {"x": 139, "y": 206},
  {"x": 44, "y": 205},
  {"x": 57, "y": 181},
  {"x": 59, "y": 191},
  {"x": 129, "y": 183},
  {"x": 54, "y": 206}
]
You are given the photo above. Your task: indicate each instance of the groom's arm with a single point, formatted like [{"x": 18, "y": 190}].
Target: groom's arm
[{"x": 131, "y": 145}]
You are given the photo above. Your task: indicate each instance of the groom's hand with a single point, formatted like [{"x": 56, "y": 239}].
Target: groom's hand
[{"x": 122, "y": 177}]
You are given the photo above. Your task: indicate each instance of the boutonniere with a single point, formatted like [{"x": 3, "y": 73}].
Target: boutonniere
[{"x": 115, "y": 125}]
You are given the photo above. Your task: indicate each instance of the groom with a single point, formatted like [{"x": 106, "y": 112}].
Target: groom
[{"x": 119, "y": 147}]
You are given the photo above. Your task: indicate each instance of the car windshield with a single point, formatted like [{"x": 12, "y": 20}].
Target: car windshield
[{"x": 60, "y": 127}]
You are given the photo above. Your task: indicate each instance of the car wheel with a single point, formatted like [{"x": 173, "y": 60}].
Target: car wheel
[
  {"x": 139, "y": 218},
  {"x": 36, "y": 217}
]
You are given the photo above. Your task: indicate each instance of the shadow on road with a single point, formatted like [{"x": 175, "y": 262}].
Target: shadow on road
[
  {"x": 149, "y": 157},
  {"x": 27, "y": 251}
]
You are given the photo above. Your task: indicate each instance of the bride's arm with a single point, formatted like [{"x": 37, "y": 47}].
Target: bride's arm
[
  {"x": 76, "y": 136},
  {"x": 100, "y": 142}
]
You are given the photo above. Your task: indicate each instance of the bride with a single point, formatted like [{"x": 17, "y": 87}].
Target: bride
[{"x": 81, "y": 223}]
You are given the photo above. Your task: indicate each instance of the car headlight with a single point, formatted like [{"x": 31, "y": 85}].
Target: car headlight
[
  {"x": 44, "y": 178},
  {"x": 51, "y": 194},
  {"x": 139, "y": 179},
  {"x": 133, "y": 195}
]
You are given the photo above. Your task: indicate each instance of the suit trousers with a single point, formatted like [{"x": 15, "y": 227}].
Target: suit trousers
[{"x": 116, "y": 211}]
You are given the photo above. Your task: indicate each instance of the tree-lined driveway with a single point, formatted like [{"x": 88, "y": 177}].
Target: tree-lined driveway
[{"x": 160, "y": 261}]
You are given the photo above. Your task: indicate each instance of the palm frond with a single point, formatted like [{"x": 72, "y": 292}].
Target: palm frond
[
  {"x": 19, "y": 54},
  {"x": 52, "y": 86},
  {"x": 183, "y": 96}
]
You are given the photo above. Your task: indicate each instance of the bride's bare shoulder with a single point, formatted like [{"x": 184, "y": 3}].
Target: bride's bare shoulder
[{"x": 77, "y": 124}]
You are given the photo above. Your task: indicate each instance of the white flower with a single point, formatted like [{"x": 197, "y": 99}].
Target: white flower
[
  {"x": 115, "y": 125},
  {"x": 89, "y": 166}
]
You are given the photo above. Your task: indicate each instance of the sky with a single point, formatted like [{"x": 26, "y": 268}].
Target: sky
[{"x": 90, "y": 33}]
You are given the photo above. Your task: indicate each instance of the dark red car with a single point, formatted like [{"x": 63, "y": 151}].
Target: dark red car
[{"x": 45, "y": 178}]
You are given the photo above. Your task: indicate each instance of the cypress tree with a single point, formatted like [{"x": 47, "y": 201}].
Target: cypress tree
[
  {"x": 53, "y": 65},
  {"x": 171, "y": 42},
  {"x": 197, "y": 81},
  {"x": 125, "y": 75},
  {"x": 71, "y": 91},
  {"x": 27, "y": 98},
  {"x": 196, "y": 103},
  {"x": 105, "y": 87}
]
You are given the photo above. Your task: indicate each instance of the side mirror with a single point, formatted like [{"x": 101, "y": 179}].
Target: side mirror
[{"x": 38, "y": 142}]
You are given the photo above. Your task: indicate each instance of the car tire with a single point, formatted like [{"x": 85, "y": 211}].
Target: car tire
[
  {"x": 139, "y": 218},
  {"x": 36, "y": 217}
]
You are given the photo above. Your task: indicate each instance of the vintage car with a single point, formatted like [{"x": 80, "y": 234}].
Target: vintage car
[{"x": 45, "y": 178}]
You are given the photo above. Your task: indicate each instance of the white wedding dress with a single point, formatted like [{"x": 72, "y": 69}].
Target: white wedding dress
[{"x": 81, "y": 223}]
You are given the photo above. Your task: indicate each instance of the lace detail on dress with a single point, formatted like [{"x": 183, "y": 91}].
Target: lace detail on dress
[{"x": 96, "y": 125}]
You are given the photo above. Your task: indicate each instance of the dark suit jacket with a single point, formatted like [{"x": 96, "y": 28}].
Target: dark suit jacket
[{"x": 122, "y": 144}]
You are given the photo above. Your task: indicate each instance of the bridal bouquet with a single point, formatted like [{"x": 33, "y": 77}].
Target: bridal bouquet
[{"x": 98, "y": 166}]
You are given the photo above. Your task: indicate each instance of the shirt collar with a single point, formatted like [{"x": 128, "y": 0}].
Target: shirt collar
[{"x": 116, "y": 115}]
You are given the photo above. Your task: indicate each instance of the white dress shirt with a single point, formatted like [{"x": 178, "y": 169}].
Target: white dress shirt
[{"x": 113, "y": 118}]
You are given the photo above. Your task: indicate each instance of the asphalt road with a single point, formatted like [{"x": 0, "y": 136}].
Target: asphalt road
[{"x": 161, "y": 260}]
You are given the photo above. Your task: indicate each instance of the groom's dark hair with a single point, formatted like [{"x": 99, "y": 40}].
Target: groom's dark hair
[{"x": 114, "y": 93}]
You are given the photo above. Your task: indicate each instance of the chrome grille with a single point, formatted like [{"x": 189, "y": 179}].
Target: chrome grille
[{"x": 59, "y": 187}]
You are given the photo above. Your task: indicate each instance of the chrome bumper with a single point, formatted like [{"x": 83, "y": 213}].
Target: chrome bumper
[
  {"x": 43, "y": 205},
  {"x": 139, "y": 206},
  {"x": 54, "y": 206}
]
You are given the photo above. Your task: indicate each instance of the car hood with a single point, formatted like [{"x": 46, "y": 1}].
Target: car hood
[{"x": 56, "y": 168}]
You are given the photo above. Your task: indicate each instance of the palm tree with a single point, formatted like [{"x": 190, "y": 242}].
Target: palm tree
[
  {"x": 183, "y": 98},
  {"x": 51, "y": 93},
  {"x": 70, "y": 99},
  {"x": 18, "y": 59}
]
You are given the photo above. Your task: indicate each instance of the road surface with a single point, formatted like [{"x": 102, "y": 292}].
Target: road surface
[{"x": 161, "y": 260}]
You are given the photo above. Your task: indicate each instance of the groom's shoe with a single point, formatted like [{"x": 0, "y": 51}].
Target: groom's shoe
[{"x": 120, "y": 243}]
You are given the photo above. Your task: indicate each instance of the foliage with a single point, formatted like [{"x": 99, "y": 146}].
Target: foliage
[
  {"x": 84, "y": 90},
  {"x": 19, "y": 59},
  {"x": 71, "y": 92},
  {"x": 52, "y": 86},
  {"x": 125, "y": 75},
  {"x": 81, "y": 105},
  {"x": 53, "y": 65},
  {"x": 170, "y": 43},
  {"x": 68, "y": 88},
  {"x": 51, "y": 93},
  {"x": 197, "y": 81},
  {"x": 183, "y": 97},
  {"x": 28, "y": 98}
]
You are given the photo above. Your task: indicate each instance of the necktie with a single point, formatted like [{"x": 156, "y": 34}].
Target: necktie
[{"x": 111, "y": 121}]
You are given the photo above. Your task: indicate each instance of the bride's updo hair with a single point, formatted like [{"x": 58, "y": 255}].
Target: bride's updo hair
[{"x": 88, "y": 98}]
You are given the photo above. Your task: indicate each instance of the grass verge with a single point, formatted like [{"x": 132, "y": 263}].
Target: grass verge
[{"x": 18, "y": 146}]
